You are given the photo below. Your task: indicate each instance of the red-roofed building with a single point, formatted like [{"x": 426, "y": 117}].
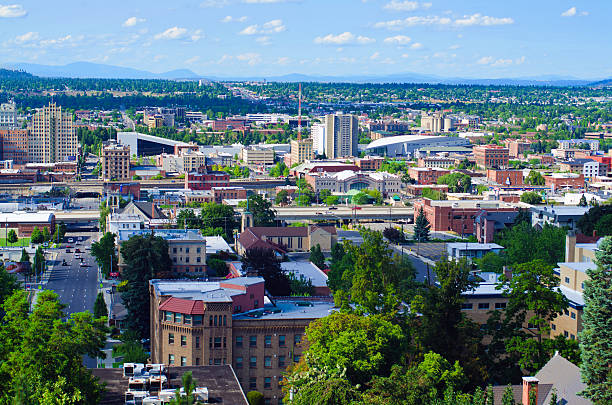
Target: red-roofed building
[{"x": 289, "y": 238}]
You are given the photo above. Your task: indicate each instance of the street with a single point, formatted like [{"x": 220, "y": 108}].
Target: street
[{"x": 75, "y": 285}]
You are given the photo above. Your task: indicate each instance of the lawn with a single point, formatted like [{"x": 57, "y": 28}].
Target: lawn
[{"x": 25, "y": 241}]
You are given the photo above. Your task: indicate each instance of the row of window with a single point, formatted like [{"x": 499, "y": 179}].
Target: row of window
[
  {"x": 482, "y": 305},
  {"x": 297, "y": 338},
  {"x": 186, "y": 319},
  {"x": 198, "y": 259},
  {"x": 281, "y": 361},
  {"x": 180, "y": 249}
]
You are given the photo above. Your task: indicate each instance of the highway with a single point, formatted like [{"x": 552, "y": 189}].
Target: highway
[{"x": 75, "y": 285}]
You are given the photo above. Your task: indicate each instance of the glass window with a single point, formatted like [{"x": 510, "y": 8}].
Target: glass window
[
  {"x": 573, "y": 315},
  {"x": 467, "y": 306},
  {"x": 500, "y": 305},
  {"x": 170, "y": 338},
  {"x": 238, "y": 341},
  {"x": 281, "y": 361},
  {"x": 183, "y": 361},
  {"x": 267, "y": 382},
  {"x": 187, "y": 319},
  {"x": 567, "y": 280},
  {"x": 197, "y": 342},
  {"x": 183, "y": 340},
  {"x": 178, "y": 318},
  {"x": 197, "y": 361},
  {"x": 267, "y": 361},
  {"x": 210, "y": 320},
  {"x": 297, "y": 338},
  {"x": 268, "y": 341},
  {"x": 253, "y": 383},
  {"x": 217, "y": 362},
  {"x": 238, "y": 362},
  {"x": 253, "y": 341},
  {"x": 224, "y": 320},
  {"x": 197, "y": 319},
  {"x": 171, "y": 359},
  {"x": 296, "y": 358},
  {"x": 224, "y": 342},
  {"x": 483, "y": 305},
  {"x": 253, "y": 362},
  {"x": 217, "y": 342},
  {"x": 169, "y": 316},
  {"x": 281, "y": 340}
]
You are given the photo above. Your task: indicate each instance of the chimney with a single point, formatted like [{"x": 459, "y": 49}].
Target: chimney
[
  {"x": 529, "y": 384},
  {"x": 507, "y": 272},
  {"x": 570, "y": 247}
]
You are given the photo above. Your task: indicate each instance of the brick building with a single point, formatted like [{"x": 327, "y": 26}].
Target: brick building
[
  {"x": 491, "y": 156},
  {"x": 115, "y": 162},
  {"x": 457, "y": 216},
  {"x": 517, "y": 148},
  {"x": 426, "y": 175},
  {"x": 508, "y": 178},
  {"x": 222, "y": 193},
  {"x": 370, "y": 163},
  {"x": 228, "y": 322},
  {"x": 438, "y": 162},
  {"x": 14, "y": 145},
  {"x": 204, "y": 179},
  {"x": 564, "y": 180}
]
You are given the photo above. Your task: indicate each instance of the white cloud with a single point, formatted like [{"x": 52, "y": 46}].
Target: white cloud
[
  {"x": 466, "y": 21},
  {"x": 27, "y": 37},
  {"x": 58, "y": 41},
  {"x": 229, "y": 19},
  {"x": 344, "y": 38},
  {"x": 214, "y": 3},
  {"x": 520, "y": 61},
  {"x": 454, "y": 46},
  {"x": 485, "y": 60},
  {"x": 398, "y": 39},
  {"x": 130, "y": 22},
  {"x": 196, "y": 35},
  {"x": 12, "y": 11},
  {"x": 500, "y": 62},
  {"x": 250, "y": 58},
  {"x": 397, "y": 5},
  {"x": 479, "y": 19},
  {"x": 416, "y": 45},
  {"x": 172, "y": 33},
  {"x": 192, "y": 60},
  {"x": 375, "y": 55},
  {"x": 264, "y": 1},
  {"x": 271, "y": 27},
  {"x": 263, "y": 40},
  {"x": 569, "y": 12},
  {"x": 283, "y": 60}
]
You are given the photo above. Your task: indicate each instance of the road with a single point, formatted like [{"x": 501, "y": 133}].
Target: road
[{"x": 75, "y": 285}]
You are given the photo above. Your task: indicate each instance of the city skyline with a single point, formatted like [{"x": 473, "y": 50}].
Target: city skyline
[{"x": 246, "y": 38}]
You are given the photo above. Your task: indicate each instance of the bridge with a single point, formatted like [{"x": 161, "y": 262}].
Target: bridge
[{"x": 344, "y": 213}]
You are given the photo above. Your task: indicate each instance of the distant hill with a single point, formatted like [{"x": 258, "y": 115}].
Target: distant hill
[
  {"x": 85, "y": 70},
  {"x": 601, "y": 84},
  {"x": 14, "y": 74}
]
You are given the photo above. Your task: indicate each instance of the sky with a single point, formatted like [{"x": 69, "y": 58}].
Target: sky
[{"x": 247, "y": 38}]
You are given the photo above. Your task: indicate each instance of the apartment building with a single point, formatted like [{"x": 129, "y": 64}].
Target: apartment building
[
  {"x": 288, "y": 239},
  {"x": 233, "y": 193},
  {"x": 115, "y": 162},
  {"x": 491, "y": 156},
  {"x": 204, "y": 179},
  {"x": 318, "y": 136},
  {"x": 341, "y": 135},
  {"x": 484, "y": 298},
  {"x": 437, "y": 162},
  {"x": 568, "y": 181},
  {"x": 517, "y": 148},
  {"x": 8, "y": 116},
  {"x": 508, "y": 178},
  {"x": 52, "y": 136},
  {"x": 192, "y": 160},
  {"x": 426, "y": 175},
  {"x": 228, "y": 322},
  {"x": 370, "y": 163},
  {"x": 186, "y": 247},
  {"x": 258, "y": 156},
  {"x": 14, "y": 145},
  {"x": 301, "y": 150}
]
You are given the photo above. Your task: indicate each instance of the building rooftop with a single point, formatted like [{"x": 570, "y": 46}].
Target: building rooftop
[
  {"x": 392, "y": 140},
  {"x": 473, "y": 246},
  {"x": 183, "y": 290},
  {"x": 573, "y": 296},
  {"x": 565, "y": 378},
  {"x": 579, "y": 266},
  {"x": 27, "y": 217},
  {"x": 168, "y": 234},
  {"x": 561, "y": 210},
  {"x": 288, "y": 309},
  {"x": 307, "y": 270},
  {"x": 215, "y": 244}
]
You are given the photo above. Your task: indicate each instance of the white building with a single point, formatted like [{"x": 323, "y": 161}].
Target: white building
[
  {"x": 406, "y": 145},
  {"x": 8, "y": 115},
  {"x": 344, "y": 181},
  {"x": 471, "y": 250},
  {"x": 593, "y": 169},
  {"x": 317, "y": 133},
  {"x": 116, "y": 222}
]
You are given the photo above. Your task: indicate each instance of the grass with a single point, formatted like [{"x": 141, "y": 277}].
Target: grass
[{"x": 22, "y": 242}]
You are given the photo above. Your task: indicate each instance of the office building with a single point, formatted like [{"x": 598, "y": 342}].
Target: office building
[
  {"x": 258, "y": 156},
  {"x": 342, "y": 135},
  {"x": 52, "y": 136},
  {"x": 204, "y": 179},
  {"x": 317, "y": 134},
  {"x": 115, "y": 162},
  {"x": 491, "y": 156},
  {"x": 231, "y": 322},
  {"x": 8, "y": 116},
  {"x": 301, "y": 150},
  {"x": 14, "y": 145}
]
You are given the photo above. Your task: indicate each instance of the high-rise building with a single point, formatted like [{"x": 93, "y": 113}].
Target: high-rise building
[
  {"x": 115, "y": 161},
  {"x": 8, "y": 116},
  {"x": 52, "y": 136},
  {"x": 14, "y": 145},
  {"x": 301, "y": 150},
  {"x": 342, "y": 135},
  {"x": 317, "y": 134}
]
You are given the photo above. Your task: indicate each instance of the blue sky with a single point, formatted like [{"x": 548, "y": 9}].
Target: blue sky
[{"x": 467, "y": 38}]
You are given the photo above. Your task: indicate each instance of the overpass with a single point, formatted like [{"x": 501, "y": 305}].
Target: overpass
[{"x": 344, "y": 213}]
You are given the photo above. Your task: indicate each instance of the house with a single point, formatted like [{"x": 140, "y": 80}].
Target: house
[
  {"x": 144, "y": 210},
  {"x": 288, "y": 239},
  {"x": 559, "y": 216},
  {"x": 471, "y": 250},
  {"x": 306, "y": 270},
  {"x": 565, "y": 378},
  {"x": 487, "y": 224}
]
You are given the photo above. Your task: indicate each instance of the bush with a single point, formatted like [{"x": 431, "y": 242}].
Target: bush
[{"x": 255, "y": 398}]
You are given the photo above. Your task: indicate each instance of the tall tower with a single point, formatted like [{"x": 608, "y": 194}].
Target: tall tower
[
  {"x": 52, "y": 136},
  {"x": 341, "y": 135},
  {"x": 299, "y": 137}
]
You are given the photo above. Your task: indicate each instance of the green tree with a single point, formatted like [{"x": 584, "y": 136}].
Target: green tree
[
  {"x": 39, "y": 262},
  {"x": 531, "y": 197},
  {"x": 433, "y": 194},
  {"x": 218, "y": 219},
  {"x": 261, "y": 208},
  {"x": 264, "y": 263},
  {"x": 361, "y": 198},
  {"x": 421, "y": 227},
  {"x": 12, "y": 237},
  {"x": 187, "y": 219},
  {"x": 491, "y": 262},
  {"x": 145, "y": 257},
  {"x": 130, "y": 348},
  {"x": 36, "y": 236},
  {"x": 255, "y": 398},
  {"x": 332, "y": 200},
  {"x": 104, "y": 253},
  {"x": 282, "y": 197},
  {"x": 456, "y": 182},
  {"x": 508, "y": 396},
  {"x": 583, "y": 201},
  {"x": 317, "y": 257},
  {"x": 535, "y": 178},
  {"x": 46, "y": 235},
  {"x": 525, "y": 243},
  {"x": 596, "y": 335},
  {"x": 323, "y": 194},
  {"x": 100, "y": 309},
  {"x": 25, "y": 258},
  {"x": 8, "y": 284},
  {"x": 104, "y": 212},
  {"x": 40, "y": 349},
  {"x": 189, "y": 386}
]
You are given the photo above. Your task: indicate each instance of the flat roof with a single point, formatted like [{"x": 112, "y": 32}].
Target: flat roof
[
  {"x": 289, "y": 309},
  {"x": 23, "y": 216},
  {"x": 307, "y": 270},
  {"x": 572, "y": 295},
  {"x": 473, "y": 246},
  {"x": 580, "y": 266},
  {"x": 392, "y": 140},
  {"x": 202, "y": 290}
]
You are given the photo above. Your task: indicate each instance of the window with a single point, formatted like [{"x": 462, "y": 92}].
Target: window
[
  {"x": 267, "y": 341},
  {"x": 297, "y": 339},
  {"x": 500, "y": 305},
  {"x": 187, "y": 259},
  {"x": 256, "y": 303},
  {"x": 183, "y": 361},
  {"x": 253, "y": 383},
  {"x": 253, "y": 362},
  {"x": 197, "y": 361},
  {"x": 217, "y": 342},
  {"x": 572, "y": 337},
  {"x": 267, "y": 361},
  {"x": 170, "y": 338},
  {"x": 567, "y": 280},
  {"x": 267, "y": 382},
  {"x": 238, "y": 362},
  {"x": 253, "y": 341},
  {"x": 171, "y": 359},
  {"x": 199, "y": 259},
  {"x": 169, "y": 316},
  {"x": 210, "y": 320},
  {"x": 198, "y": 250},
  {"x": 178, "y": 318},
  {"x": 197, "y": 319},
  {"x": 173, "y": 250},
  {"x": 281, "y": 340},
  {"x": 224, "y": 320},
  {"x": 183, "y": 340},
  {"x": 186, "y": 250},
  {"x": 573, "y": 315},
  {"x": 466, "y": 306},
  {"x": 281, "y": 361},
  {"x": 197, "y": 342},
  {"x": 483, "y": 305},
  {"x": 296, "y": 358},
  {"x": 224, "y": 342},
  {"x": 215, "y": 323},
  {"x": 210, "y": 342},
  {"x": 187, "y": 319},
  {"x": 238, "y": 341},
  {"x": 565, "y": 333},
  {"x": 217, "y": 362},
  {"x": 553, "y": 326},
  {"x": 566, "y": 312}
]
